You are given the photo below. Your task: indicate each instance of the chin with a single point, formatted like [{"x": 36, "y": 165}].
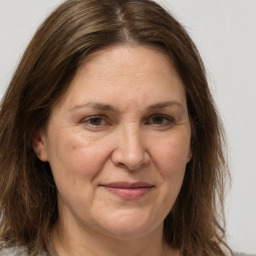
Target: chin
[{"x": 127, "y": 226}]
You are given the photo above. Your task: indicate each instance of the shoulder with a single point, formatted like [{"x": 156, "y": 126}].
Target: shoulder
[
  {"x": 13, "y": 251},
  {"x": 244, "y": 254},
  {"x": 16, "y": 251}
]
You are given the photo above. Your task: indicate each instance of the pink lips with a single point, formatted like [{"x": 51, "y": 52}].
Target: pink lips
[{"x": 127, "y": 190}]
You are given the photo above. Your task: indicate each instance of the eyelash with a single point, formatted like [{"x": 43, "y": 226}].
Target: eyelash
[
  {"x": 165, "y": 120},
  {"x": 168, "y": 120},
  {"x": 91, "y": 118}
]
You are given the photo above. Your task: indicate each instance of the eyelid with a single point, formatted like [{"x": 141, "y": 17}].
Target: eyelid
[
  {"x": 88, "y": 118},
  {"x": 169, "y": 118}
]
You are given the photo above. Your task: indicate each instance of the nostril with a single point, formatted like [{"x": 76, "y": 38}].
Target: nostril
[
  {"x": 121, "y": 165},
  {"x": 131, "y": 164}
]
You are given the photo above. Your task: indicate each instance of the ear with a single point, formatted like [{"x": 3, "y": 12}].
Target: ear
[
  {"x": 191, "y": 149},
  {"x": 190, "y": 154},
  {"x": 39, "y": 145}
]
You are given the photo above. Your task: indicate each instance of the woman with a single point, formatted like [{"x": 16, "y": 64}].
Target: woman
[{"x": 110, "y": 143}]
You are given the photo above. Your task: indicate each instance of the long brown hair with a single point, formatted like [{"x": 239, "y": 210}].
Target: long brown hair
[{"x": 28, "y": 195}]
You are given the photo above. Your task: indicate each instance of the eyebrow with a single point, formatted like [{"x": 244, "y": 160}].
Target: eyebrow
[
  {"x": 107, "y": 107},
  {"x": 95, "y": 105},
  {"x": 166, "y": 104}
]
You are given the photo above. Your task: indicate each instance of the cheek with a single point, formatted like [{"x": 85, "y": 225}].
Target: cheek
[
  {"x": 75, "y": 162},
  {"x": 171, "y": 155},
  {"x": 170, "y": 160},
  {"x": 72, "y": 157}
]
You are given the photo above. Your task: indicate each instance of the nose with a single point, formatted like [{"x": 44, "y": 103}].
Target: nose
[{"x": 130, "y": 151}]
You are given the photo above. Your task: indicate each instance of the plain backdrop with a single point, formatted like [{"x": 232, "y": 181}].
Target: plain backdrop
[{"x": 225, "y": 33}]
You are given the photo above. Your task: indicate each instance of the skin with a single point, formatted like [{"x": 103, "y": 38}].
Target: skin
[{"x": 123, "y": 118}]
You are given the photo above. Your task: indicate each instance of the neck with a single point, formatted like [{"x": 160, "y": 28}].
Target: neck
[{"x": 91, "y": 244}]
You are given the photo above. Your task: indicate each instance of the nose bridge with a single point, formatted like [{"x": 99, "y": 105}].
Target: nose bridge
[
  {"x": 132, "y": 140},
  {"x": 130, "y": 149}
]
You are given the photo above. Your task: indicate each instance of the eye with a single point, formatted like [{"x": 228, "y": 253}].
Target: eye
[
  {"x": 160, "y": 120},
  {"x": 96, "y": 121}
]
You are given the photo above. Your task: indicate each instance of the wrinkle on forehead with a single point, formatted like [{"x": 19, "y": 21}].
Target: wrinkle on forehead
[
  {"x": 102, "y": 57},
  {"x": 129, "y": 72}
]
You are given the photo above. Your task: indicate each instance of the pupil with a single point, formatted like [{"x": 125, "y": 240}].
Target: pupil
[
  {"x": 96, "y": 121},
  {"x": 158, "y": 119}
]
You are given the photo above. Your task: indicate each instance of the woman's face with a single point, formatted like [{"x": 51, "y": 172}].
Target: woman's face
[{"x": 118, "y": 143}]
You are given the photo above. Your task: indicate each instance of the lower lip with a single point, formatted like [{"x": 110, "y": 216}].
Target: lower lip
[{"x": 128, "y": 193}]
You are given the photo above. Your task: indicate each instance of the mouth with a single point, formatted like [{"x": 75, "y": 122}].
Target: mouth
[{"x": 127, "y": 190}]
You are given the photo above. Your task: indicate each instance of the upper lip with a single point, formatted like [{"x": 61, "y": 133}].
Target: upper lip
[{"x": 127, "y": 185}]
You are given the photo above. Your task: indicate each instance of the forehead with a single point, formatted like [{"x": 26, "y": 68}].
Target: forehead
[
  {"x": 127, "y": 56},
  {"x": 136, "y": 72}
]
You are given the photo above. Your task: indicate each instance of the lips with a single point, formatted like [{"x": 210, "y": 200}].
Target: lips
[{"x": 127, "y": 190}]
